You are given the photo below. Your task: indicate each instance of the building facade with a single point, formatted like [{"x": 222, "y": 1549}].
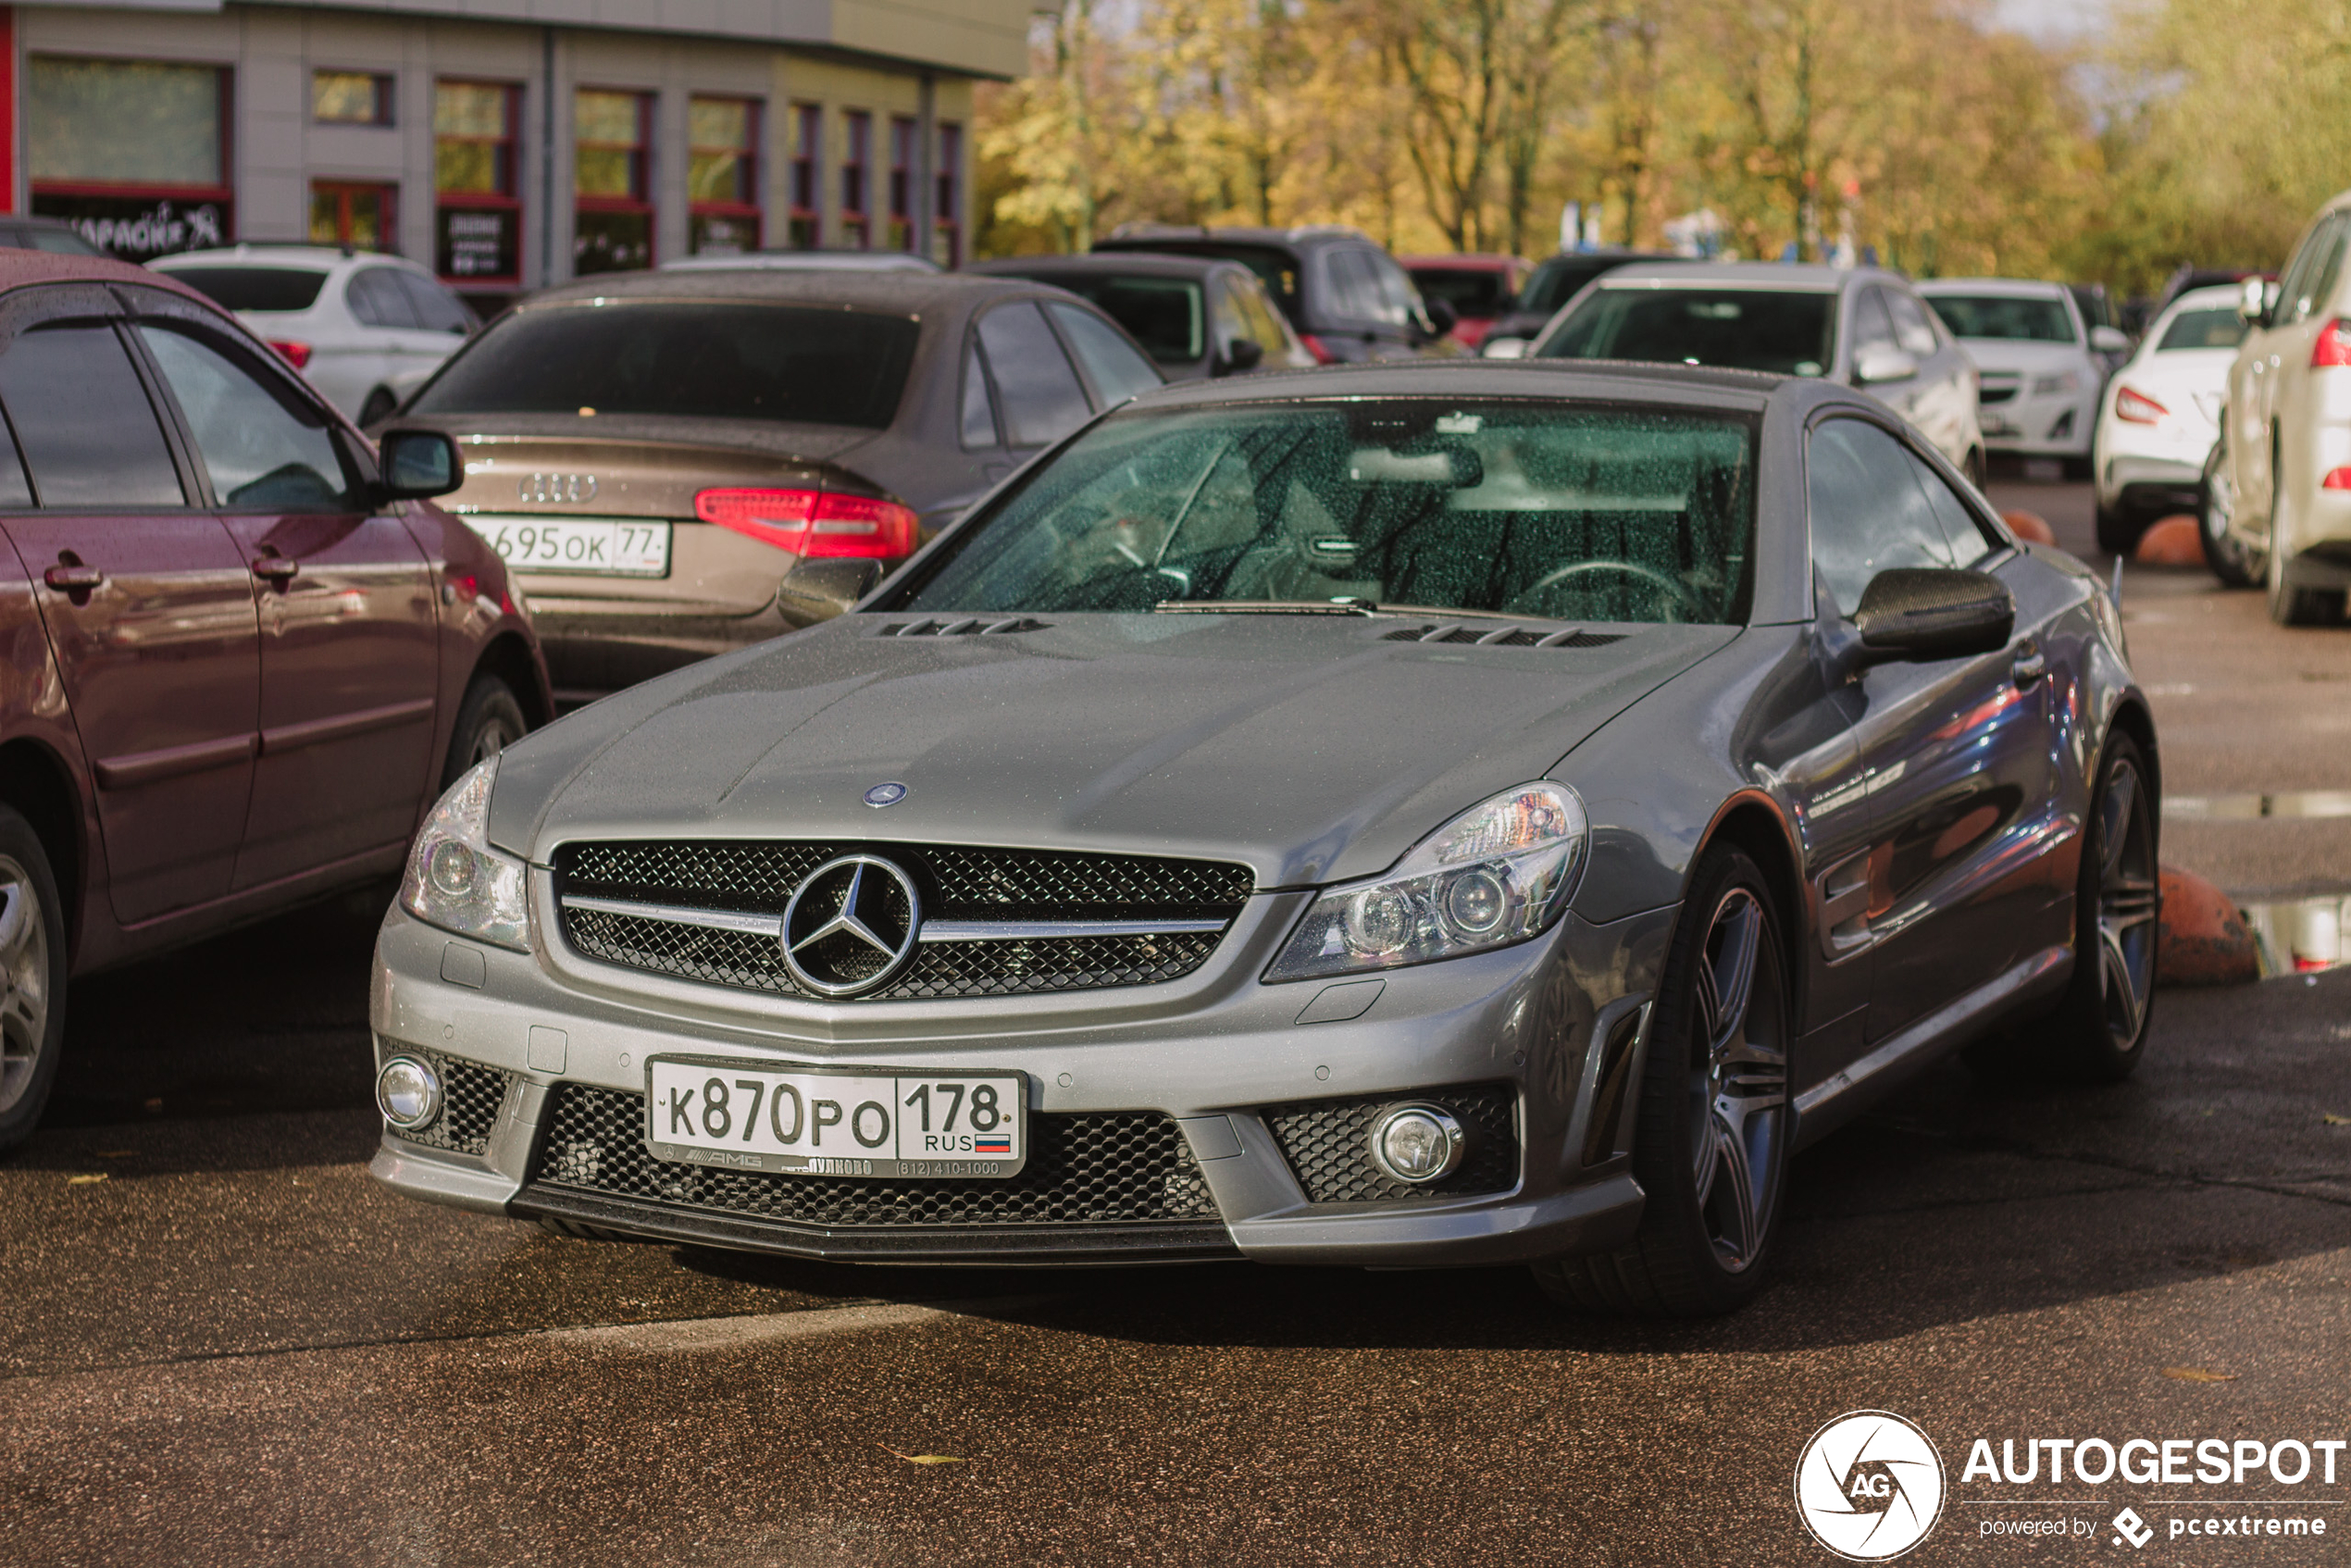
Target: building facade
[{"x": 507, "y": 144}]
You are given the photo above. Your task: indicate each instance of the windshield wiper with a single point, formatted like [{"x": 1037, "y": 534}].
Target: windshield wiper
[{"x": 1266, "y": 607}]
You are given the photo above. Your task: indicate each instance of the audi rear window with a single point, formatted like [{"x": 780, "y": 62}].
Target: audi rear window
[
  {"x": 253, "y": 288},
  {"x": 1782, "y": 331},
  {"x": 723, "y": 361}
]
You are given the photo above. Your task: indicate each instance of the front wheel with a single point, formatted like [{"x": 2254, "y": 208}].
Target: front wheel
[
  {"x": 379, "y": 406},
  {"x": 489, "y": 720},
  {"x": 1712, "y": 1143},
  {"x": 32, "y": 980},
  {"x": 2101, "y": 1027},
  {"x": 2118, "y": 531},
  {"x": 2231, "y": 561}
]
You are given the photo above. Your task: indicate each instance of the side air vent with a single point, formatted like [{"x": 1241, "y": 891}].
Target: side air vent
[
  {"x": 970, "y": 626},
  {"x": 1502, "y": 637}
]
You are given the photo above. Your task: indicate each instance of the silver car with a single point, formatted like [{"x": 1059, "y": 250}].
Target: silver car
[{"x": 1394, "y": 815}]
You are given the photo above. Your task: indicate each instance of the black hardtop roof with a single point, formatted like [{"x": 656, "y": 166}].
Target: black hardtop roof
[{"x": 903, "y": 292}]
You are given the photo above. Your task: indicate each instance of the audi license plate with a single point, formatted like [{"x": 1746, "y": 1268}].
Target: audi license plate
[
  {"x": 625, "y": 547},
  {"x": 834, "y": 1121}
]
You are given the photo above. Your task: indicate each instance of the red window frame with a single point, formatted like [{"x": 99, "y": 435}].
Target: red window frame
[
  {"x": 856, "y": 182},
  {"x": 342, "y": 191},
  {"x": 947, "y": 229},
  {"x": 903, "y": 130},
  {"x": 504, "y": 199},
  {"x": 807, "y": 221},
  {"x": 745, "y": 207},
  {"x": 638, "y": 202}
]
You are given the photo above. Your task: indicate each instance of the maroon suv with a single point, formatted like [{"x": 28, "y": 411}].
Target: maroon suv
[{"x": 241, "y": 658}]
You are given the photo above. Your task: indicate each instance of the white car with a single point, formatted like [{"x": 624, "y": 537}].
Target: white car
[
  {"x": 358, "y": 325},
  {"x": 2041, "y": 371},
  {"x": 2278, "y": 488},
  {"x": 2161, "y": 415},
  {"x": 803, "y": 261}
]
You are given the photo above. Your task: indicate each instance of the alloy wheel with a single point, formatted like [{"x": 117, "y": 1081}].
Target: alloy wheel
[
  {"x": 24, "y": 982},
  {"x": 2233, "y": 561},
  {"x": 494, "y": 736},
  {"x": 2126, "y": 904},
  {"x": 1738, "y": 1081}
]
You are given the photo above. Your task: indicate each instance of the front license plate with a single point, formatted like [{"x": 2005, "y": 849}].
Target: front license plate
[
  {"x": 624, "y": 547},
  {"x": 1992, "y": 424},
  {"x": 840, "y": 1122}
]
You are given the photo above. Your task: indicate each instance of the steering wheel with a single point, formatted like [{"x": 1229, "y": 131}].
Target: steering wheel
[{"x": 1674, "y": 594}]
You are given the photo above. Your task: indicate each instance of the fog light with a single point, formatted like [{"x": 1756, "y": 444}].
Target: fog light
[
  {"x": 1417, "y": 1143},
  {"x": 409, "y": 1093}
]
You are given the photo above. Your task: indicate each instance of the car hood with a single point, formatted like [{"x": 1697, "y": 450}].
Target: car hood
[
  {"x": 2009, "y": 353},
  {"x": 1313, "y": 748}
]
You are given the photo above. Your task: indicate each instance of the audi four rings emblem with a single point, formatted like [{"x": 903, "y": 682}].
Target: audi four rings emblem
[
  {"x": 852, "y": 924},
  {"x": 558, "y": 486}
]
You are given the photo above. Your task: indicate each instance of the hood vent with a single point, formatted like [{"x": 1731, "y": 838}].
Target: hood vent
[
  {"x": 970, "y": 626},
  {"x": 1502, "y": 636}
]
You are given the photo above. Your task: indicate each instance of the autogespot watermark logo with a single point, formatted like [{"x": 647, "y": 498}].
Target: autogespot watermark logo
[{"x": 1868, "y": 1486}]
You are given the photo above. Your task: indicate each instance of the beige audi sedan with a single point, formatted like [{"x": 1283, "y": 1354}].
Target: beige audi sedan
[{"x": 2277, "y": 504}]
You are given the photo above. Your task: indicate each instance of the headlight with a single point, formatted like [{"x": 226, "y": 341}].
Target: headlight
[
  {"x": 1497, "y": 874},
  {"x": 2050, "y": 386},
  {"x": 456, "y": 880}
]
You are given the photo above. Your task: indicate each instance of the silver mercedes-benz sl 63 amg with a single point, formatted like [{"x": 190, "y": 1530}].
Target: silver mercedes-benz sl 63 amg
[{"x": 1454, "y": 813}]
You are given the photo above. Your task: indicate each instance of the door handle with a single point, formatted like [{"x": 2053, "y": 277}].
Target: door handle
[
  {"x": 275, "y": 568},
  {"x": 74, "y": 577},
  {"x": 2029, "y": 668}
]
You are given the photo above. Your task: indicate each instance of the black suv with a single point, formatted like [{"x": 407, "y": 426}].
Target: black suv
[{"x": 1346, "y": 298}]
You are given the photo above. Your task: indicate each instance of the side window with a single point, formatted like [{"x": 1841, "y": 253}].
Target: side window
[
  {"x": 376, "y": 299},
  {"x": 1394, "y": 290},
  {"x": 88, "y": 434},
  {"x": 1042, "y": 399},
  {"x": 1118, "y": 372},
  {"x": 1912, "y": 328},
  {"x": 2327, "y": 269},
  {"x": 262, "y": 454},
  {"x": 979, "y": 412},
  {"x": 16, "y": 491},
  {"x": 1869, "y": 512},
  {"x": 1966, "y": 536},
  {"x": 1354, "y": 293},
  {"x": 437, "y": 310},
  {"x": 1264, "y": 323},
  {"x": 1872, "y": 327}
]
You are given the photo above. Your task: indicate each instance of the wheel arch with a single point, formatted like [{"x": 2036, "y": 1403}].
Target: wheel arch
[
  {"x": 1753, "y": 822},
  {"x": 2132, "y": 718},
  {"x": 509, "y": 658},
  {"x": 36, "y": 783}
]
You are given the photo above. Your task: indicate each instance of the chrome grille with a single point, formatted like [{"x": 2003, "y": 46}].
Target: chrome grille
[
  {"x": 1327, "y": 1143},
  {"x": 744, "y": 886},
  {"x": 1102, "y": 1168}
]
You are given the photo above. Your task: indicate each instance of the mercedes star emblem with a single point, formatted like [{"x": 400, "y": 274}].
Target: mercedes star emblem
[
  {"x": 852, "y": 924},
  {"x": 888, "y": 794}
]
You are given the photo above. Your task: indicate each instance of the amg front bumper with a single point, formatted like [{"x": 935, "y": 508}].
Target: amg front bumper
[{"x": 1208, "y": 1116}]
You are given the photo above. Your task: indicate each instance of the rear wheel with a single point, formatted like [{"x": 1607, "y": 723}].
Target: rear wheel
[
  {"x": 2235, "y": 564},
  {"x": 32, "y": 980},
  {"x": 489, "y": 720},
  {"x": 1978, "y": 471},
  {"x": 2077, "y": 470},
  {"x": 380, "y": 405},
  {"x": 2118, "y": 531},
  {"x": 1712, "y": 1143},
  {"x": 2290, "y": 605}
]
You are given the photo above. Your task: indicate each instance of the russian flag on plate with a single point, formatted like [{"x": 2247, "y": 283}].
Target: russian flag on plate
[{"x": 1001, "y": 1143}]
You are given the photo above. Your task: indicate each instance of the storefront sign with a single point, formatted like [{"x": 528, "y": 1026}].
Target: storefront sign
[
  {"x": 483, "y": 243},
  {"x": 138, "y": 228}
]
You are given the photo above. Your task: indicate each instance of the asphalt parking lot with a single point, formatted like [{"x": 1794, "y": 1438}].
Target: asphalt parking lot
[{"x": 224, "y": 1343}]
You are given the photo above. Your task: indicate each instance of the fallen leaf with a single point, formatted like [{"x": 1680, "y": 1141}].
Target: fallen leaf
[
  {"x": 2335, "y": 1121},
  {"x": 85, "y": 1180},
  {"x": 923, "y": 1457},
  {"x": 2197, "y": 1375}
]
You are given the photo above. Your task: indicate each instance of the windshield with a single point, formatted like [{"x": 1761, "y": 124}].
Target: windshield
[
  {"x": 253, "y": 288},
  {"x": 1551, "y": 510},
  {"x": 1165, "y": 315},
  {"x": 2217, "y": 327},
  {"x": 1775, "y": 330},
  {"x": 725, "y": 361},
  {"x": 2004, "y": 316}
]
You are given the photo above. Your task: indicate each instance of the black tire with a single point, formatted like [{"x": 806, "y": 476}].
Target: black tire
[
  {"x": 1706, "y": 1234},
  {"x": 379, "y": 405},
  {"x": 2290, "y": 605},
  {"x": 32, "y": 980},
  {"x": 2077, "y": 470},
  {"x": 2119, "y": 531},
  {"x": 489, "y": 720},
  {"x": 2235, "y": 565},
  {"x": 1977, "y": 468}
]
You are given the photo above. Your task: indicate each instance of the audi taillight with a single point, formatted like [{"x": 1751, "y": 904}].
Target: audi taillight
[
  {"x": 294, "y": 353},
  {"x": 2333, "y": 347},
  {"x": 2137, "y": 407},
  {"x": 1315, "y": 346},
  {"x": 813, "y": 523},
  {"x": 2337, "y": 478}
]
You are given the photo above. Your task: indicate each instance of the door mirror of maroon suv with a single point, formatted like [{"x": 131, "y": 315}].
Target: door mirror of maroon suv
[
  {"x": 825, "y": 588},
  {"x": 418, "y": 465}
]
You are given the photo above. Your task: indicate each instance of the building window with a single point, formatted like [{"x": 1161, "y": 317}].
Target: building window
[
  {"x": 357, "y": 217},
  {"x": 350, "y": 97},
  {"x": 132, "y": 153},
  {"x": 856, "y": 158},
  {"x": 807, "y": 149},
  {"x": 613, "y": 226},
  {"x": 476, "y": 220},
  {"x": 722, "y": 175},
  {"x": 902, "y": 132},
  {"x": 947, "y": 230}
]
